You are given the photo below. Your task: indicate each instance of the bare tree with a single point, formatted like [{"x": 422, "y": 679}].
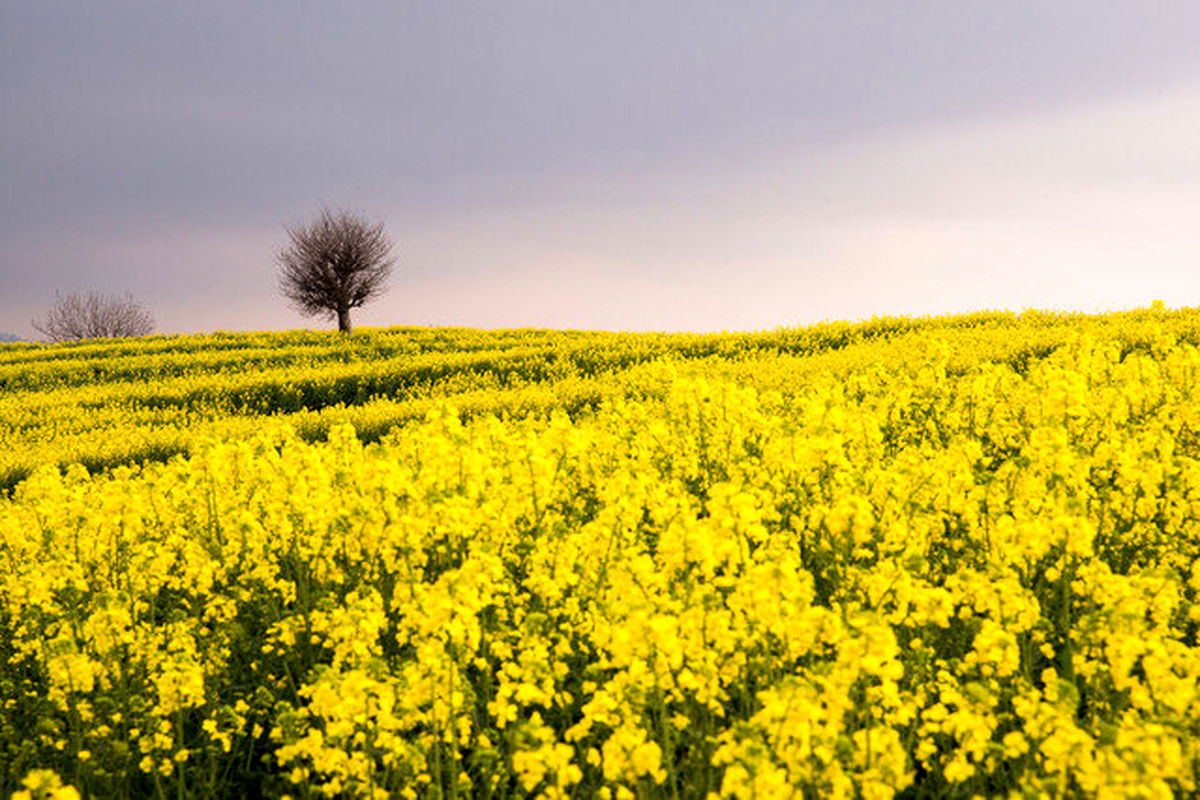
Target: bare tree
[
  {"x": 336, "y": 263},
  {"x": 94, "y": 316}
]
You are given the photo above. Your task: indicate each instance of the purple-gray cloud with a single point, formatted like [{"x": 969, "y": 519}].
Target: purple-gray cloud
[{"x": 628, "y": 164}]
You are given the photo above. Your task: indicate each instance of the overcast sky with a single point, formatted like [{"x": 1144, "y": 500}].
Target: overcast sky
[{"x": 622, "y": 165}]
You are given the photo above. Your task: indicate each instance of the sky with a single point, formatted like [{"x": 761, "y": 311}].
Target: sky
[{"x": 637, "y": 165}]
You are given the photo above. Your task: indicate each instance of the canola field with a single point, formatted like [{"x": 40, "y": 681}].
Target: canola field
[{"x": 947, "y": 557}]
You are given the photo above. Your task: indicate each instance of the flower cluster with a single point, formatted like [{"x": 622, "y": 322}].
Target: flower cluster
[{"x": 945, "y": 558}]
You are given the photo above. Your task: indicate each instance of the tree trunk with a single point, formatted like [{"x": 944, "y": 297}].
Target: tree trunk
[{"x": 343, "y": 320}]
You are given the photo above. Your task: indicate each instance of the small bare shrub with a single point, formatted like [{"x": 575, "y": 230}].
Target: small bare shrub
[{"x": 94, "y": 316}]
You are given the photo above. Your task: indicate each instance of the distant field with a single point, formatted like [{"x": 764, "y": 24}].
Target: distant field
[{"x": 938, "y": 557}]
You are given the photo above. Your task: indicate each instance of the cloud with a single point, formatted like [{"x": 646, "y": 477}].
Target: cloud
[
  {"x": 1087, "y": 207},
  {"x": 1090, "y": 207},
  {"x": 620, "y": 165}
]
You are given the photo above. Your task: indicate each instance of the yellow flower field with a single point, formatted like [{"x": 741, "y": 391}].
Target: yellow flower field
[{"x": 947, "y": 557}]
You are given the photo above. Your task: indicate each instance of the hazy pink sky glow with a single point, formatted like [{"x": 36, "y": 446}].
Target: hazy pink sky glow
[{"x": 649, "y": 166}]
